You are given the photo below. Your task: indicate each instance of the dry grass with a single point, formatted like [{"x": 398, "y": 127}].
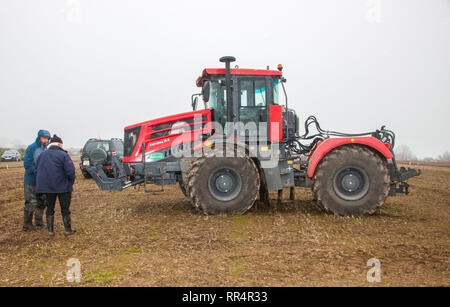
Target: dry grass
[{"x": 132, "y": 238}]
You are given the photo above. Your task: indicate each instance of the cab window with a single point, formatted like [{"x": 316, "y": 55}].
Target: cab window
[
  {"x": 276, "y": 96},
  {"x": 253, "y": 93},
  {"x": 253, "y": 106}
]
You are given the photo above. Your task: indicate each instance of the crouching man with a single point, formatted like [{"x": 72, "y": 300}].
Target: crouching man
[
  {"x": 55, "y": 178},
  {"x": 34, "y": 204}
]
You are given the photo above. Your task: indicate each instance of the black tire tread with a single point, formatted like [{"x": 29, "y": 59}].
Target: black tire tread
[
  {"x": 321, "y": 173},
  {"x": 191, "y": 178}
]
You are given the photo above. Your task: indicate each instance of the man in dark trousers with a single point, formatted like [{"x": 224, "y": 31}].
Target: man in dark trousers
[
  {"x": 34, "y": 204},
  {"x": 55, "y": 178}
]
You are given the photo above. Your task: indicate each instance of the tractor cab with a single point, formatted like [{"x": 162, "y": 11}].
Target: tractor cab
[{"x": 240, "y": 96}]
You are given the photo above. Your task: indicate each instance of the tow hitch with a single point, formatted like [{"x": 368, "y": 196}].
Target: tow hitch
[
  {"x": 398, "y": 178},
  {"x": 126, "y": 175},
  {"x": 118, "y": 183}
]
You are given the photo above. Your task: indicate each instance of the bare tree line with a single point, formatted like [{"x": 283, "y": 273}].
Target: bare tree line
[{"x": 404, "y": 153}]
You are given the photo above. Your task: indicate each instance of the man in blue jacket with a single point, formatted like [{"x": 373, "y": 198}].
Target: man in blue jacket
[
  {"x": 33, "y": 203},
  {"x": 55, "y": 178}
]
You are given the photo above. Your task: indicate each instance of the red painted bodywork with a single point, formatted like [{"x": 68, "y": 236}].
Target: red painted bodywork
[
  {"x": 276, "y": 123},
  {"x": 326, "y": 146},
  {"x": 167, "y": 141},
  {"x": 237, "y": 71}
]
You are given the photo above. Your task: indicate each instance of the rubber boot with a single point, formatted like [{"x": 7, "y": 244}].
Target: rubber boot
[
  {"x": 28, "y": 221},
  {"x": 67, "y": 225},
  {"x": 50, "y": 221},
  {"x": 38, "y": 222}
]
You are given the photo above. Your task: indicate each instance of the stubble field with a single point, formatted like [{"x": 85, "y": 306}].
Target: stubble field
[{"x": 132, "y": 238}]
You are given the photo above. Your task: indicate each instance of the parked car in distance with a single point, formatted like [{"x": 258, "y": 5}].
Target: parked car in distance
[
  {"x": 11, "y": 155},
  {"x": 97, "y": 151}
]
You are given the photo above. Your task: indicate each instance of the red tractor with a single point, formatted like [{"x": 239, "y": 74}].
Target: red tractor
[{"x": 244, "y": 143}]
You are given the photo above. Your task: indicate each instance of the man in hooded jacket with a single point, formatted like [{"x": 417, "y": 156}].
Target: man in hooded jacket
[{"x": 34, "y": 204}]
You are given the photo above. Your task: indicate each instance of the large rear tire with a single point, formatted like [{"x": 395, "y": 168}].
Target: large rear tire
[
  {"x": 351, "y": 181},
  {"x": 223, "y": 185}
]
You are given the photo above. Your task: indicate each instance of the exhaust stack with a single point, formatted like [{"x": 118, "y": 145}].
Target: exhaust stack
[{"x": 227, "y": 60}]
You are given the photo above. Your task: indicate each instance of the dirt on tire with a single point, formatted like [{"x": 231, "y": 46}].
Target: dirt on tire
[
  {"x": 354, "y": 156},
  {"x": 199, "y": 173}
]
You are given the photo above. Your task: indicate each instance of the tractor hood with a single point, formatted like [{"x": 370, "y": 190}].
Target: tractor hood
[{"x": 160, "y": 134}]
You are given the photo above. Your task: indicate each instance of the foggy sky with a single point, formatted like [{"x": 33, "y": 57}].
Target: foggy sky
[{"x": 87, "y": 68}]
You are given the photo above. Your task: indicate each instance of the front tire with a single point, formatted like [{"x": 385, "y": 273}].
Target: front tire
[
  {"x": 351, "y": 181},
  {"x": 182, "y": 187},
  {"x": 223, "y": 185}
]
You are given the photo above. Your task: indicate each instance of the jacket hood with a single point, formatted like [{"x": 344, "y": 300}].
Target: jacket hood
[{"x": 42, "y": 133}]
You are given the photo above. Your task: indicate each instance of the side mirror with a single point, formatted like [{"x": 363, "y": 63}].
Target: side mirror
[
  {"x": 205, "y": 91},
  {"x": 194, "y": 103}
]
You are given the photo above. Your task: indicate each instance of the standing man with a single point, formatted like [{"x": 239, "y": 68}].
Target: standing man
[
  {"x": 33, "y": 203},
  {"x": 55, "y": 178}
]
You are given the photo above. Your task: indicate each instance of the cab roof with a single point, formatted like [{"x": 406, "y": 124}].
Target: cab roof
[{"x": 237, "y": 71}]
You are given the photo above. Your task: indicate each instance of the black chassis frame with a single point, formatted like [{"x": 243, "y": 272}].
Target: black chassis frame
[{"x": 169, "y": 171}]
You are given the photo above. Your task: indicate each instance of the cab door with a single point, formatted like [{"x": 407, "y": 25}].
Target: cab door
[{"x": 253, "y": 100}]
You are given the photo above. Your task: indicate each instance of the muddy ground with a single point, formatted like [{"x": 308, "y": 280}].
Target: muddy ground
[{"x": 132, "y": 238}]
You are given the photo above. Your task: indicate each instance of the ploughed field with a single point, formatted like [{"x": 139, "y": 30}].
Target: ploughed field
[{"x": 132, "y": 238}]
